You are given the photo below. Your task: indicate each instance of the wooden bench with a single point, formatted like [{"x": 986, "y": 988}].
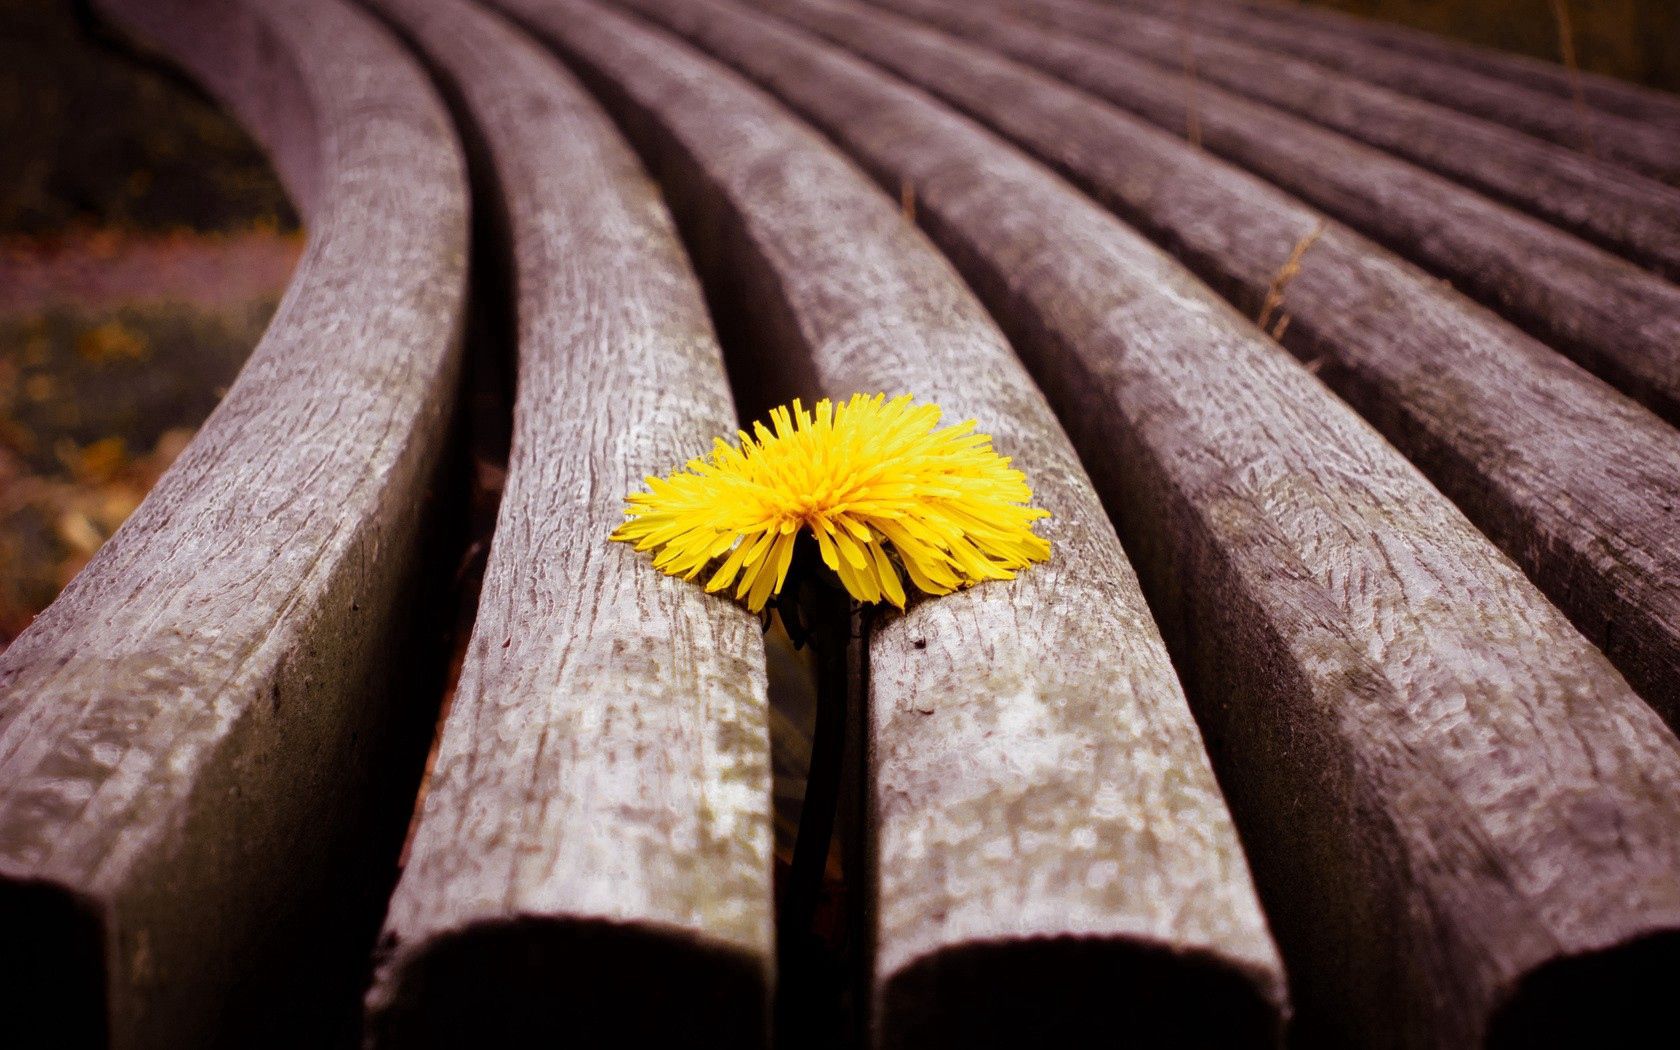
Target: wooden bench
[
  {"x": 1575, "y": 482},
  {"x": 1413, "y": 741},
  {"x": 201, "y": 741},
  {"x": 1618, "y": 320},
  {"x": 1324, "y": 707},
  {"x": 1632, "y": 215}
]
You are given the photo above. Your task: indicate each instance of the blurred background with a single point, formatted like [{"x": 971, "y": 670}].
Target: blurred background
[
  {"x": 144, "y": 242},
  {"x": 1637, "y": 40}
]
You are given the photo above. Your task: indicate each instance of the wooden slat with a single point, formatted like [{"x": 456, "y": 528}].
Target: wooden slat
[
  {"x": 195, "y": 736},
  {"x": 1622, "y": 322},
  {"x": 1045, "y": 816},
  {"x": 1446, "y": 793},
  {"x": 1607, "y": 93},
  {"x": 593, "y": 860},
  {"x": 1575, "y": 482},
  {"x": 1638, "y": 146},
  {"x": 1629, "y": 214}
]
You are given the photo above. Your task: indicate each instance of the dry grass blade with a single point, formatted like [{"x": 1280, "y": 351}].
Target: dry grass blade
[{"x": 1273, "y": 302}]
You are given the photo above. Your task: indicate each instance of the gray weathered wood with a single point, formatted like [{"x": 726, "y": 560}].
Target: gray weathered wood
[
  {"x": 1597, "y": 90},
  {"x": 192, "y": 736},
  {"x": 1044, "y": 813},
  {"x": 593, "y": 860},
  {"x": 1575, "y": 482},
  {"x": 1620, "y": 321},
  {"x": 1627, "y": 213},
  {"x": 1446, "y": 793},
  {"x": 1639, "y": 146}
]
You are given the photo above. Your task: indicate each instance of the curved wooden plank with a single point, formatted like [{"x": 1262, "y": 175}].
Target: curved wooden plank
[
  {"x": 1445, "y": 792},
  {"x": 1049, "y": 698},
  {"x": 193, "y": 735},
  {"x": 1576, "y": 483},
  {"x": 1621, "y": 322},
  {"x": 593, "y": 860},
  {"x": 1629, "y": 214},
  {"x": 1597, "y": 90},
  {"x": 1638, "y": 146}
]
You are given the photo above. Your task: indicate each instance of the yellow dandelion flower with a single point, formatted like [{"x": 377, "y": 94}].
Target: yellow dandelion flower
[{"x": 877, "y": 485}]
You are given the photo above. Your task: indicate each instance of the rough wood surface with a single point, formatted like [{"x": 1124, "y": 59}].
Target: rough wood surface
[
  {"x": 1597, "y": 90},
  {"x": 1627, "y": 213},
  {"x": 1044, "y": 811},
  {"x": 1445, "y": 791},
  {"x": 1620, "y": 321},
  {"x": 1639, "y": 146},
  {"x": 190, "y": 737},
  {"x": 592, "y": 863},
  {"x": 1574, "y": 481}
]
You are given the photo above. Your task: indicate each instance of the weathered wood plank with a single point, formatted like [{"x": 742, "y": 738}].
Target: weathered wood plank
[
  {"x": 1577, "y": 484},
  {"x": 193, "y": 736},
  {"x": 1044, "y": 813},
  {"x": 593, "y": 860},
  {"x": 1639, "y": 146},
  {"x": 1624, "y": 212},
  {"x": 1621, "y": 322},
  {"x": 1445, "y": 792},
  {"x": 1597, "y": 90}
]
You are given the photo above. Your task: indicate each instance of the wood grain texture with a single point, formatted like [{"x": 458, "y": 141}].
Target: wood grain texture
[
  {"x": 1574, "y": 481},
  {"x": 1618, "y": 320},
  {"x": 1636, "y": 217},
  {"x": 1044, "y": 812},
  {"x": 1607, "y": 93},
  {"x": 190, "y": 736},
  {"x": 1444, "y": 790},
  {"x": 593, "y": 861},
  {"x": 1633, "y": 144}
]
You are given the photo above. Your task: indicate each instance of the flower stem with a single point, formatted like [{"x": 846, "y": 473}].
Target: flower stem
[
  {"x": 831, "y": 637},
  {"x": 813, "y": 970}
]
